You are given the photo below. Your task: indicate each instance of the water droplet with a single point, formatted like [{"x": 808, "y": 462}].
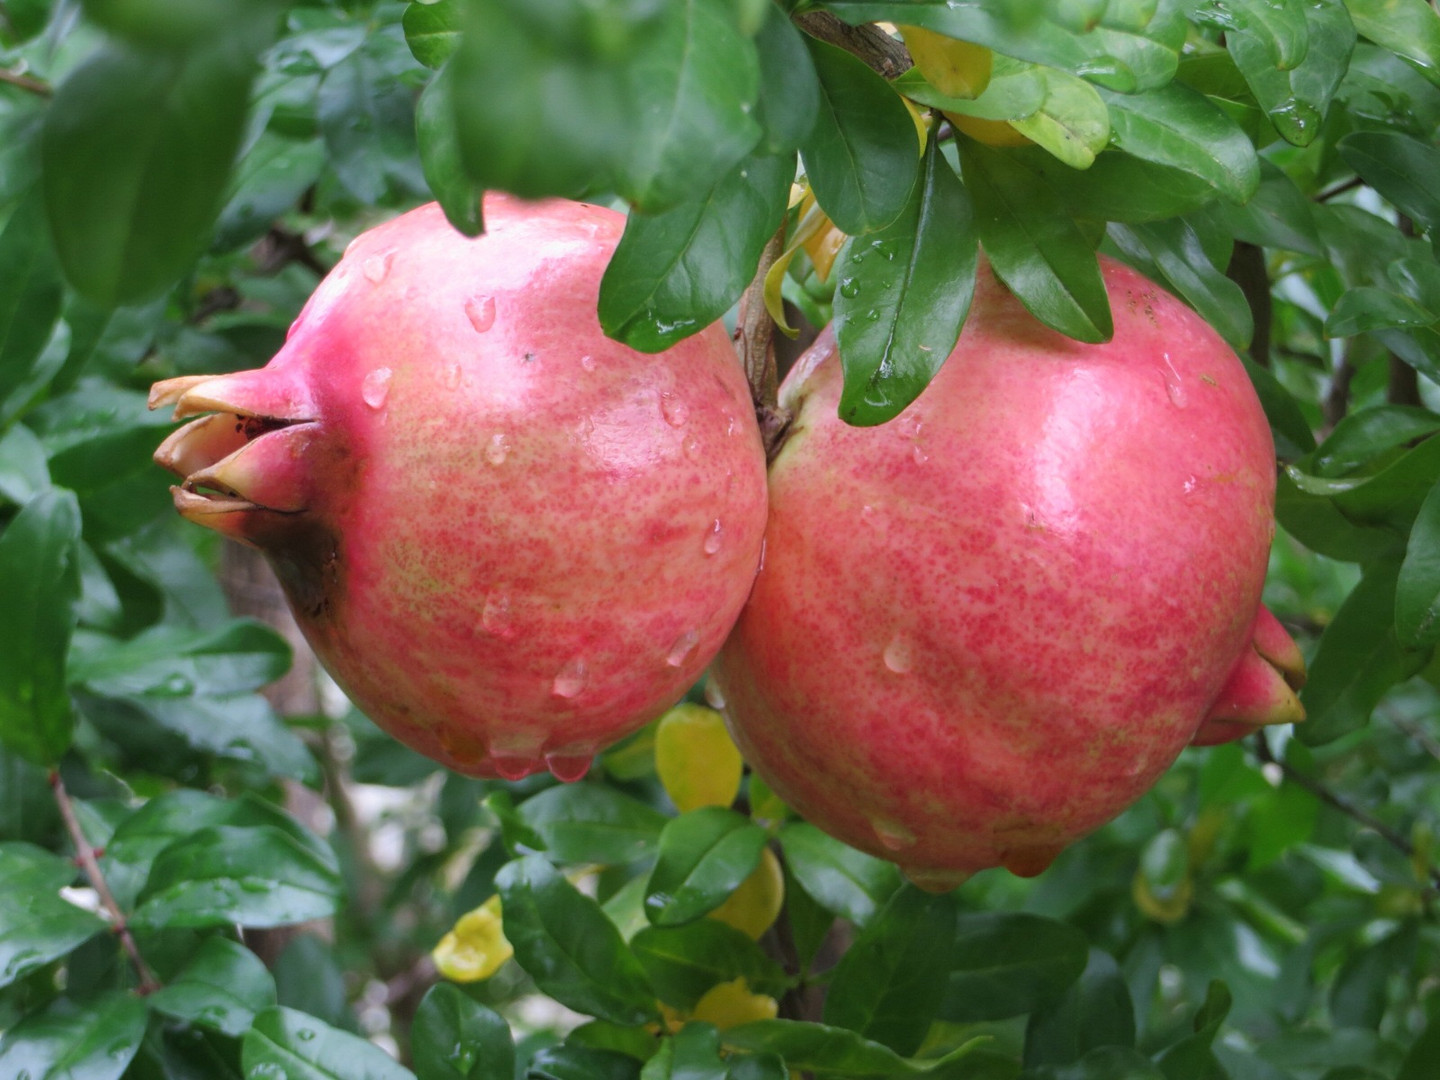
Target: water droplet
[
  {"x": 305, "y": 1034},
  {"x": 1173, "y": 386},
  {"x": 893, "y": 835},
  {"x": 376, "y": 387},
  {"x": 513, "y": 766},
  {"x": 899, "y": 655},
  {"x": 692, "y": 448},
  {"x": 684, "y": 645},
  {"x": 918, "y": 455},
  {"x": 376, "y": 267},
  {"x": 1190, "y": 485},
  {"x": 568, "y": 767},
  {"x": 496, "y": 617},
  {"x": 676, "y": 412},
  {"x": 761, "y": 564},
  {"x": 571, "y": 679},
  {"x": 453, "y": 375},
  {"x": 480, "y": 310},
  {"x": 729, "y": 426},
  {"x": 714, "y": 696},
  {"x": 850, "y": 287},
  {"x": 712, "y": 538},
  {"x": 497, "y": 449},
  {"x": 588, "y": 363},
  {"x": 179, "y": 685}
]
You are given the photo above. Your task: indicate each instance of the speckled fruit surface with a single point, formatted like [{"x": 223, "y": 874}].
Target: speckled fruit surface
[
  {"x": 509, "y": 538},
  {"x": 985, "y": 628}
]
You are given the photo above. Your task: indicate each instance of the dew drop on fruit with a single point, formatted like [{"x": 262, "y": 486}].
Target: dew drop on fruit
[
  {"x": 568, "y": 767},
  {"x": 892, "y": 834},
  {"x": 570, "y": 680},
  {"x": 376, "y": 267},
  {"x": 899, "y": 655},
  {"x": 684, "y": 645},
  {"x": 712, "y": 538},
  {"x": 480, "y": 310},
  {"x": 676, "y": 412},
  {"x": 376, "y": 387},
  {"x": 588, "y": 363},
  {"x": 497, "y": 449},
  {"x": 692, "y": 448},
  {"x": 496, "y": 617},
  {"x": 513, "y": 766},
  {"x": 453, "y": 376},
  {"x": 918, "y": 455},
  {"x": 714, "y": 696},
  {"x": 1173, "y": 386}
]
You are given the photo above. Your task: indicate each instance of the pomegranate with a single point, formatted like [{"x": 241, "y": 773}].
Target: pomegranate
[
  {"x": 1030, "y": 588},
  {"x": 510, "y": 539}
]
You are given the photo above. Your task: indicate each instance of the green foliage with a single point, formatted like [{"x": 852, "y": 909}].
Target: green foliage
[{"x": 175, "y": 177}]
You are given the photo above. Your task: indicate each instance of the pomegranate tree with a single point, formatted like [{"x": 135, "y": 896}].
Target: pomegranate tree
[
  {"x": 509, "y": 538},
  {"x": 1030, "y": 590}
]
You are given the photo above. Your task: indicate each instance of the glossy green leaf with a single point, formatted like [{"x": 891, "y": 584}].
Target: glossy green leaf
[
  {"x": 367, "y": 118},
  {"x": 1362, "y": 437},
  {"x": 1293, "y": 437},
  {"x": 1181, "y": 128},
  {"x": 589, "y": 822},
  {"x": 826, "y": 1051},
  {"x": 685, "y": 961},
  {"x": 440, "y": 157},
  {"x": 36, "y": 924},
  {"x": 1009, "y": 964},
  {"x": 40, "y": 580},
  {"x": 286, "y": 1042},
  {"x": 1277, "y": 215},
  {"x": 675, "y": 273},
  {"x": 181, "y": 24},
  {"x": 704, "y": 856},
  {"x": 432, "y": 30},
  {"x": 30, "y": 294},
  {"x": 903, "y": 295},
  {"x": 1315, "y": 521},
  {"x": 1409, "y": 28},
  {"x": 1422, "y": 1054},
  {"x": 1392, "y": 496},
  {"x": 1398, "y": 167},
  {"x": 1095, "y": 1011},
  {"x": 1417, "y": 590},
  {"x": 789, "y": 95},
  {"x": 95, "y": 1039},
  {"x": 1034, "y": 246},
  {"x": 566, "y": 944},
  {"x": 1278, "y": 26},
  {"x": 1071, "y": 122},
  {"x": 23, "y": 471},
  {"x": 222, "y": 987},
  {"x": 1103, "y": 1063},
  {"x": 1015, "y": 90},
  {"x": 270, "y": 179},
  {"x": 572, "y": 1062},
  {"x": 169, "y": 661},
  {"x": 137, "y": 151},
  {"x": 693, "y": 1053},
  {"x": 1358, "y": 660},
  {"x": 1192, "y": 1056},
  {"x": 1119, "y": 187},
  {"x": 1295, "y": 98},
  {"x": 224, "y": 874},
  {"x": 861, "y": 156},
  {"x": 456, "y": 1038},
  {"x": 840, "y": 879},
  {"x": 1175, "y": 249},
  {"x": 890, "y": 982}
]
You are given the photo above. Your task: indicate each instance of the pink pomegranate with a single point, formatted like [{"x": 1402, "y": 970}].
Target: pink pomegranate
[
  {"x": 510, "y": 539},
  {"x": 985, "y": 628}
]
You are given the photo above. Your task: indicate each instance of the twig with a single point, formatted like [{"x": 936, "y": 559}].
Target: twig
[
  {"x": 1337, "y": 401},
  {"x": 755, "y": 342},
  {"x": 25, "y": 82},
  {"x": 85, "y": 855},
  {"x": 1427, "y": 742},
  {"x": 871, "y": 44},
  {"x": 1339, "y": 189},
  {"x": 1396, "y": 839},
  {"x": 1248, "y": 270}
]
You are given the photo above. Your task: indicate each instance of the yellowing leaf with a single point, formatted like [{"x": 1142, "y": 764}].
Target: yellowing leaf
[
  {"x": 755, "y": 905},
  {"x": 989, "y": 132},
  {"x": 476, "y": 948},
  {"x": 697, "y": 762},
  {"x": 956, "y": 68},
  {"x": 922, "y": 125},
  {"x": 730, "y": 1004},
  {"x": 812, "y": 222}
]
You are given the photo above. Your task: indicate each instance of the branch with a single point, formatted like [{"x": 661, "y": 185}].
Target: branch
[
  {"x": 871, "y": 44},
  {"x": 85, "y": 856},
  {"x": 1339, "y": 189},
  {"x": 25, "y": 82},
  {"x": 1248, "y": 270},
  {"x": 755, "y": 342},
  {"x": 1397, "y": 840}
]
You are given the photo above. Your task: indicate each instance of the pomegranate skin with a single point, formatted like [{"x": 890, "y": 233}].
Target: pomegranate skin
[
  {"x": 1028, "y": 588},
  {"x": 510, "y": 539}
]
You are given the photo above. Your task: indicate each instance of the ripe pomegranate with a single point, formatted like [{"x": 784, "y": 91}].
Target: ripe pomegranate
[
  {"x": 1029, "y": 589},
  {"x": 510, "y": 539}
]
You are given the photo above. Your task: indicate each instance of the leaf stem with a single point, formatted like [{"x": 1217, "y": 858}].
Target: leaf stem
[
  {"x": 85, "y": 855},
  {"x": 25, "y": 82}
]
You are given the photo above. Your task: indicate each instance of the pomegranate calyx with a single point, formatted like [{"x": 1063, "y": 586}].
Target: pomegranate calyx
[{"x": 1261, "y": 688}]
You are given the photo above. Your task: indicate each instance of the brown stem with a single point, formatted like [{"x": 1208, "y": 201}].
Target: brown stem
[
  {"x": 1397, "y": 840},
  {"x": 871, "y": 44},
  {"x": 1339, "y": 189},
  {"x": 755, "y": 342},
  {"x": 1337, "y": 401},
  {"x": 85, "y": 855},
  {"x": 1248, "y": 270},
  {"x": 25, "y": 82},
  {"x": 1427, "y": 742}
]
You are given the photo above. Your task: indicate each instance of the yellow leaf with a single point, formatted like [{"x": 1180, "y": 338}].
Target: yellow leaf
[
  {"x": 812, "y": 221},
  {"x": 955, "y": 68},
  {"x": 755, "y": 905},
  {"x": 989, "y": 132},
  {"x": 476, "y": 948},
  {"x": 697, "y": 762},
  {"x": 922, "y": 124},
  {"x": 729, "y": 1004}
]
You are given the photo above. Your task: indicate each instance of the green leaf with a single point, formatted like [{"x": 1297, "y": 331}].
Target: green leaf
[
  {"x": 1175, "y": 249},
  {"x": 675, "y": 273},
  {"x": 1009, "y": 964},
  {"x": 1417, "y": 589},
  {"x": 1072, "y": 122},
  {"x": 889, "y": 984},
  {"x": 137, "y": 150},
  {"x": 1317, "y": 523},
  {"x": 589, "y": 822},
  {"x": 440, "y": 157},
  {"x": 1015, "y": 90},
  {"x": 1358, "y": 660},
  {"x": 171, "y": 661},
  {"x": 456, "y": 1038},
  {"x": 91, "y": 1040},
  {"x": 269, "y": 180},
  {"x": 861, "y": 156},
  {"x": 1103, "y": 1063},
  {"x": 704, "y": 856},
  {"x": 789, "y": 94},
  {"x": 1293, "y": 436},
  {"x": 1296, "y": 97},
  {"x": 1392, "y": 496},
  {"x": 683, "y": 962},
  {"x": 1034, "y": 246},
  {"x": 1366, "y": 308},
  {"x": 840, "y": 879},
  {"x": 181, "y": 24},
  {"x": 830, "y": 1051},
  {"x": 1119, "y": 187},
  {"x": 1181, "y": 128},
  {"x": 23, "y": 471},
  {"x": 1422, "y": 1054},
  {"x": 30, "y": 294},
  {"x": 1278, "y": 26},
  {"x": 223, "y": 987},
  {"x": 1095, "y": 1011},
  {"x": 36, "y": 924},
  {"x": 294, "y": 1045},
  {"x": 566, "y": 944},
  {"x": 695, "y": 82},
  {"x": 1363, "y": 437},
  {"x": 40, "y": 581},
  {"x": 224, "y": 874},
  {"x": 903, "y": 295},
  {"x": 367, "y": 119},
  {"x": 1191, "y": 1057},
  {"x": 1399, "y": 168},
  {"x": 572, "y": 1062},
  {"x": 432, "y": 30},
  {"x": 693, "y": 1053},
  {"x": 1278, "y": 215},
  {"x": 1408, "y": 28}
]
